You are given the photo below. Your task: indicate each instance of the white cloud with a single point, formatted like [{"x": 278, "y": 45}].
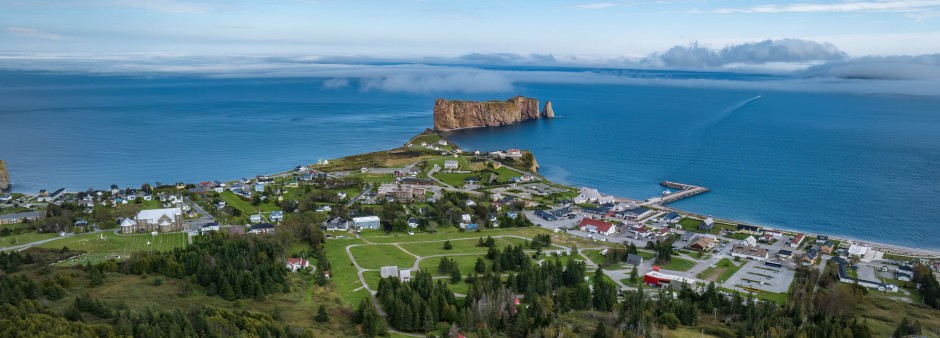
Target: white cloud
[
  {"x": 856, "y": 6},
  {"x": 459, "y": 81},
  {"x": 598, "y": 5},
  {"x": 33, "y": 33},
  {"x": 336, "y": 83},
  {"x": 695, "y": 55}
]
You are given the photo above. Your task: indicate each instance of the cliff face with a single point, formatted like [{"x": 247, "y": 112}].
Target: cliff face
[
  {"x": 471, "y": 114},
  {"x": 4, "y": 176}
]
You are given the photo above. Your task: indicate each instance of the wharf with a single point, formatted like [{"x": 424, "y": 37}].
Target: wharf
[{"x": 685, "y": 191}]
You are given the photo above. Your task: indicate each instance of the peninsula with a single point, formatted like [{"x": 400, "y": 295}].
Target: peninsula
[
  {"x": 454, "y": 114},
  {"x": 4, "y": 176}
]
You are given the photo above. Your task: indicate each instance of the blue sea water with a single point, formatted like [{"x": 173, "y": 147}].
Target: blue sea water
[{"x": 863, "y": 166}]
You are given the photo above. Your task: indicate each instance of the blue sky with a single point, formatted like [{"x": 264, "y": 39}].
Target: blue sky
[{"x": 413, "y": 28}]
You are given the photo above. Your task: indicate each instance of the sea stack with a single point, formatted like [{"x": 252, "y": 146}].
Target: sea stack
[
  {"x": 547, "y": 111},
  {"x": 454, "y": 114},
  {"x": 4, "y": 176}
]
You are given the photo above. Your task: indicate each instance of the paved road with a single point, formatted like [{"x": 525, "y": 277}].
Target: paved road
[{"x": 364, "y": 191}]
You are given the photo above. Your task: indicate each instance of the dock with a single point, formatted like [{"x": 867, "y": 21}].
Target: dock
[{"x": 685, "y": 191}]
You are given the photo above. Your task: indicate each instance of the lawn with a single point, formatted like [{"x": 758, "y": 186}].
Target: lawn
[
  {"x": 108, "y": 242},
  {"x": 459, "y": 246},
  {"x": 344, "y": 274},
  {"x": 723, "y": 270},
  {"x": 238, "y": 203},
  {"x": 372, "y": 178},
  {"x": 465, "y": 263},
  {"x": 462, "y": 162},
  {"x": 375, "y": 256},
  {"x": 453, "y": 179},
  {"x": 372, "y": 278},
  {"x": 678, "y": 264},
  {"x": 27, "y": 237},
  {"x": 380, "y": 237}
]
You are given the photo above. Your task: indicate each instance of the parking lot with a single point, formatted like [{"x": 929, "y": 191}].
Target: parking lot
[{"x": 756, "y": 275}]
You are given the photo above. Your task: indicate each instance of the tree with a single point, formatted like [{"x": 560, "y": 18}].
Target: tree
[
  {"x": 600, "y": 331},
  {"x": 447, "y": 245},
  {"x": 455, "y": 275},
  {"x": 480, "y": 266},
  {"x": 669, "y": 320},
  {"x": 633, "y": 276},
  {"x": 322, "y": 315}
]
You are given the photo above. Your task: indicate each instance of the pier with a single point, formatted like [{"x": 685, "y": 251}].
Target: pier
[{"x": 684, "y": 191}]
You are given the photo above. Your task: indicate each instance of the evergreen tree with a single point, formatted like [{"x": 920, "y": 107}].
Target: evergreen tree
[
  {"x": 447, "y": 245},
  {"x": 322, "y": 315},
  {"x": 480, "y": 266},
  {"x": 600, "y": 331}
]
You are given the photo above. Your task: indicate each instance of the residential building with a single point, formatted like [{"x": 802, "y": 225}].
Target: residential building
[
  {"x": 827, "y": 246},
  {"x": 750, "y": 229},
  {"x": 904, "y": 273},
  {"x": 811, "y": 256},
  {"x": 335, "y": 223},
  {"x": 672, "y": 217},
  {"x": 634, "y": 259},
  {"x": 466, "y": 218},
  {"x": 749, "y": 241},
  {"x": 797, "y": 239},
  {"x": 750, "y": 252},
  {"x": 261, "y": 228},
  {"x": 209, "y": 227},
  {"x": 858, "y": 250},
  {"x": 587, "y": 195},
  {"x": 820, "y": 239},
  {"x": 367, "y": 222},
  {"x": 276, "y": 216},
  {"x": 451, "y": 165},
  {"x": 707, "y": 224},
  {"x": 784, "y": 254},
  {"x": 256, "y": 218},
  {"x": 703, "y": 244},
  {"x": 294, "y": 264},
  {"x": 21, "y": 217}
]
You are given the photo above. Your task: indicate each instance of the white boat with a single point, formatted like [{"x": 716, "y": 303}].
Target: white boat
[{"x": 667, "y": 192}]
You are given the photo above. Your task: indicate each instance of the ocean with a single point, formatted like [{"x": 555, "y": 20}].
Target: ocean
[{"x": 861, "y": 166}]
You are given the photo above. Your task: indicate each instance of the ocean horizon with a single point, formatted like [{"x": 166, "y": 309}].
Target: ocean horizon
[{"x": 853, "y": 165}]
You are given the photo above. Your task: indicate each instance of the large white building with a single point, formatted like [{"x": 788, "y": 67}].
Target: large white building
[
  {"x": 367, "y": 222},
  {"x": 161, "y": 220}
]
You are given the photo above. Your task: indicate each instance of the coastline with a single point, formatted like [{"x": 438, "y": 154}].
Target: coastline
[{"x": 893, "y": 249}]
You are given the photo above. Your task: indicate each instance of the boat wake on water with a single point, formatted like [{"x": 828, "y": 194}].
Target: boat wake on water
[{"x": 725, "y": 114}]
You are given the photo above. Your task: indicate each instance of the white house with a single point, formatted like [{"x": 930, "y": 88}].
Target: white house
[
  {"x": 294, "y": 264},
  {"x": 451, "y": 165},
  {"x": 587, "y": 195},
  {"x": 256, "y": 218},
  {"x": 749, "y": 241},
  {"x": 858, "y": 250},
  {"x": 465, "y": 218},
  {"x": 412, "y": 223}
]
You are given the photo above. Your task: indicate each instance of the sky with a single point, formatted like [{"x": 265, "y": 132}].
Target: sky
[{"x": 581, "y": 30}]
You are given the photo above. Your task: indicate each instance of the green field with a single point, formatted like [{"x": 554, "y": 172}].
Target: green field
[
  {"x": 372, "y": 178},
  {"x": 678, "y": 264},
  {"x": 465, "y": 263},
  {"x": 344, "y": 274},
  {"x": 724, "y": 269},
  {"x": 25, "y": 238},
  {"x": 460, "y": 246},
  {"x": 377, "y": 256},
  {"x": 108, "y": 242}
]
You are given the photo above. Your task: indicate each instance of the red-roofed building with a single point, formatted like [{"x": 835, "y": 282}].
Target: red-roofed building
[
  {"x": 294, "y": 264},
  {"x": 597, "y": 226},
  {"x": 795, "y": 242}
]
